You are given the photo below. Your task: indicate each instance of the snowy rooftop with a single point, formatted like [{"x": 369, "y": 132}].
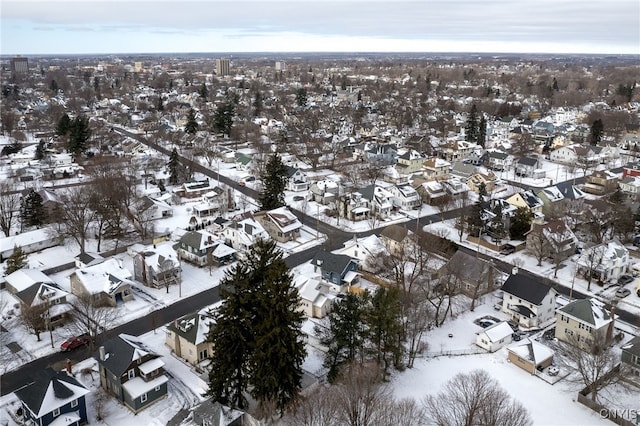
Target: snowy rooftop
[
  {"x": 136, "y": 387},
  {"x": 498, "y": 331}
]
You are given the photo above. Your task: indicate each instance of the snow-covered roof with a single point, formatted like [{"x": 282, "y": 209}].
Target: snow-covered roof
[
  {"x": 24, "y": 278},
  {"x": 590, "y": 311},
  {"x": 498, "y": 331},
  {"x": 531, "y": 350},
  {"x": 105, "y": 277},
  {"x": 25, "y": 239},
  {"x": 137, "y": 386},
  {"x": 151, "y": 365}
]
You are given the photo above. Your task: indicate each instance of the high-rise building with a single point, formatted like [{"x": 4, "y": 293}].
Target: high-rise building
[
  {"x": 281, "y": 66},
  {"x": 222, "y": 66},
  {"x": 19, "y": 65}
]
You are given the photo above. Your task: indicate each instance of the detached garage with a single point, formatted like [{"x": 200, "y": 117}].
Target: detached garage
[
  {"x": 494, "y": 337},
  {"x": 530, "y": 355}
]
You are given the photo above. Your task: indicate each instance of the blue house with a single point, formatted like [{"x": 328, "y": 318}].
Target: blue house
[
  {"x": 53, "y": 398},
  {"x": 337, "y": 269}
]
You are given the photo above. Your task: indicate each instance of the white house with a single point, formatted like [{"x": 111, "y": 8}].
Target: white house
[
  {"x": 244, "y": 234},
  {"x": 527, "y": 301},
  {"x": 315, "y": 297},
  {"x": 30, "y": 242},
  {"x": 604, "y": 262},
  {"x": 296, "y": 180},
  {"x": 405, "y": 197},
  {"x": 494, "y": 337}
]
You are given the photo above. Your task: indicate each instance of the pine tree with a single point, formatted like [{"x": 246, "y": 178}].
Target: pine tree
[
  {"x": 204, "y": 93},
  {"x": 258, "y": 329},
  {"x": 192, "y": 125},
  {"x": 301, "y": 97},
  {"x": 160, "y": 105},
  {"x": 32, "y": 212},
  {"x": 384, "y": 327},
  {"x": 17, "y": 260},
  {"x": 63, "y": 126},
  {"x": 79, "y": 134},
  {"x": 520, "y": 223},
  {"x": 344, "y": 337},
  {"x": 274, "y": 181},
  {"x": 597, "y": 129},
  {"x": 257, "y": 104},
  {"x": 174, "y": 166},
  {"x": 471, "y": 128},
  {"x": 223, "y": 118},
  {"x": 482, "y": 132},
  {"x": 497, "y": 223},
  {"x": 39, "y": 155}
]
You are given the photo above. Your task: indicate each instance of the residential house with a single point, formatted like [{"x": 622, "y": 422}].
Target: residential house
[
  {"x": 378, "y": 200},
  {"x": 86, "y": 258},
  {"x": 552, "y": 239},
  {"x": 153, "y": 209},
  {"x": 575, "y": 154},
  {"x": 455, "y": 187},
  {"x": 476, "y": 180},
  {"x": 432, "y": 192},
  {"x": 316, "y": 297},
  {"x": 244, "y": 234},
  {"x": 601, "y": 182},
  {"x": 212, "y": 413},
  {"x": 456, "y": 150},
  {"x": 381, "y": 154},
  {"x": 475, "y": 276},
  {"x": 353, "y": 207},
  {"x": 363, "y": 249},
  {"x": 529, "y": 167},
  {"x": 30, "y": 242},
  {"x": 495, "y": 336},
  {"x": 338, "y": 270},
  {"x": 187, "y": 336},
  {"x": 203, "y": 248},
  {"x": 528, "y": 301},
  {"x": 436, "y": 169},
  {"x": 409, "y": 162},
  {"x": 552, "y": 199},
  {"x": 463, "y": 170},
  {"x": 584, "y": 323},
  {"x": 604, "y": 262},
  {"x": 631, "y": 169},
  {"x": 106, "y": 284},
  {"x": 280, "y": 224},
  {"x": 131, "y": 372},
  {"x": 296, "y": 179},
  {"x": 24, "y": 278},
  {"x": 404, "y": 197},
  {"x": 157, "y": 266},
  {"x": 530, "y": 355},
  {"x": 53, "y": 398},
  {"x": 194, "y": 189},
  {"x": 630, "y": 359},
  {"x": 529, "y": 200},
  {"x": 630, "y": 185},
  {"x": 499, "y": 160},
  {"x": 51, "y": 204},
  {"x": 397, "y": 238},
  {"x": 324, "y": 191},
  {"x": 47, "y": 301},
  {"x": 213, "y": 202}
]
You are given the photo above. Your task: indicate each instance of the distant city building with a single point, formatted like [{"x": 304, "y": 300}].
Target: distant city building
[
  {"x": 281, "y": 66},
  {"x": 222, "y": 66},
  {"x": 19, "y": 65},
  {"x": 137, "y": 66}
]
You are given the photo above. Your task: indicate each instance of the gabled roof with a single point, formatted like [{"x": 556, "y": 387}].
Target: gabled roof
[
  {"x": 195, "y": 326},
  {"x": 395, "y": 233},
  {"x": 121, "y": 351},
  {"x": 332, "y": 262},
  {"x": 528, "y": 161},
  {"x": 50, "y": 390},
  {"x": 199, "y": 240},
  {"x": 526, "y": 288},
  {"x": 470, "y": 268},
  {"x": 531, "y": 350},
  {"x": 497, "y": 331},
  {"x": 590, "y": 311},
  {"x": 632, "y": 346},
  {"x": 38, "y": 293},
  {"x": 24, "y": 278}
]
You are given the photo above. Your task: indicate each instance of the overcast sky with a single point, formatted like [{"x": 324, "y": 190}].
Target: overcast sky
[{"x": 156, "y": 26}]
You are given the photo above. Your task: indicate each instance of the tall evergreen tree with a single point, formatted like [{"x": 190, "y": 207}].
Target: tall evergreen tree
[
  {"x": 79, "y": 134},
  {"x": 17, "y": 260},
  {"x": 174, "y": 167},
  {"x": 472, "y": 126},
  {"x": 597, "y": 129},
  {"x": 258, "y": 329},
  {"x": 192, "y": 125},
  {"x": 32, "y": 212},
  {"x": 344, "y": 337},
  {"x": 257, "y": 104},
  {"x": 39, "y": 155},
  {"x": 520, "y": 223},
  {"x": 204, "y": 93},
  {"x": 482, "y": 132},
  {"x": 160, "y": 104},
  {"x": 384, "y": 327},
  {"x": 474, "y": 220},
  {"x": 63, "y": 126},
  {"x": 223, "y": 118},
  {"x": 274, "y": 180},
  {"x": 301, "y": 97}
]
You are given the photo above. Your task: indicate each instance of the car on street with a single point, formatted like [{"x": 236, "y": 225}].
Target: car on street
[
  {"x": 623, "y": 292},
  {"x": 625, "y": 279},
  {"x": 74, "y": 342}
]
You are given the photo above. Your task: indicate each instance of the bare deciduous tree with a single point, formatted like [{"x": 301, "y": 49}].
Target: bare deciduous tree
[
  {"x": 475, "y": 399},
  {"x": 91, "y": 317},
  {"x": 9, "y": 207},
  {"x": 77, "y": 215}
]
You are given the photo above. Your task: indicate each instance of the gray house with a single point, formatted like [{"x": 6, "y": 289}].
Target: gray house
[
  {"x": 337, "y": 269},
  {"x": 631, "y": 360},
  {"x": 131, "y": 372}
]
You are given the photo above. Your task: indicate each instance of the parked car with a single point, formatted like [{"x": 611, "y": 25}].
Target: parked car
[
  {"x": 623, "y": 292},
  {"x": 508, "y": 249},
  {"x": 298, "y": 198},
  {"x": 74, "y": 342},
  {"x": 625, "y": 279}
]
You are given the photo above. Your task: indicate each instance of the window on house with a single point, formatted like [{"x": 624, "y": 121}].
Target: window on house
[
  {"x": 74, "y": 403},
  {"x": 56, "y": 412},
  {"x": 131, "y": 373},
  {"x": 143, "y": 398},
  {"x": 204, "y": 354}
]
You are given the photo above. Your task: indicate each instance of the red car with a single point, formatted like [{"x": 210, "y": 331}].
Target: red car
[{"x": 74, "y": 342}]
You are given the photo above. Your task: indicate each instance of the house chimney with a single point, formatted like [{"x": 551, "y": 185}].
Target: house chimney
[
  {"x": 69, "y": 371},
  {"x": 102, "y": 355}
]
